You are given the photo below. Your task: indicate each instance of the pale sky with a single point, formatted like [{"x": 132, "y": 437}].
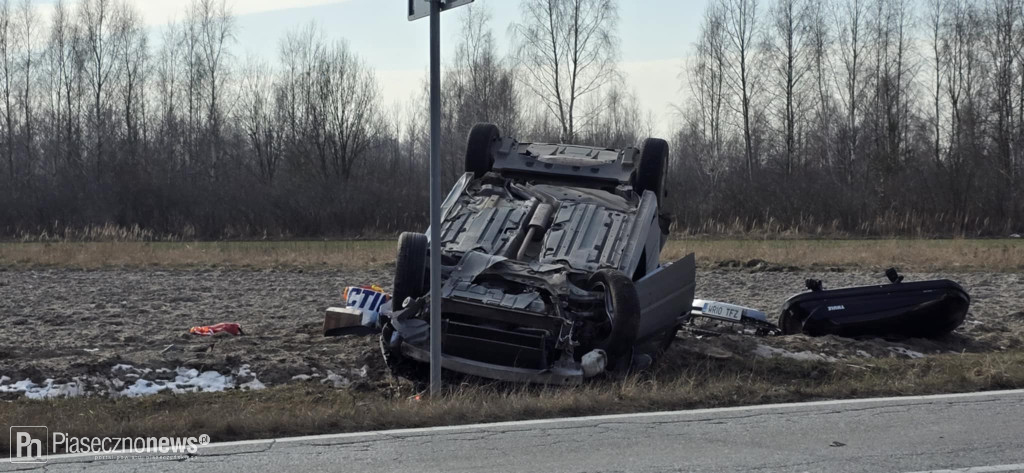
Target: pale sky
[{"x": 655, "y": 36}]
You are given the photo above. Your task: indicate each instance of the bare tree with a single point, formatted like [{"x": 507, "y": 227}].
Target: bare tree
[
  {"x": 133, "y": 52},
  {"x": 790, "y": 66},
  {"x": 330, "y": 101},
  {"x": 27, "y": 31},
  {"x": 169, "y": 80},
  {"x": 742, "y": 30},
  {"x": 97, "y": 18},
  {"x": 820, "y": 40},
  {"x": 1003, "y": 46},
  {"x": 962, "y": 44},
  {"x": 486, "y": 84},
  {"x": 934, "y": 18},
  {"x": 65, "y": 64},
  {"x": 256, "y": 115},
  {"x": 850, "y": 20},
  {"x": 621, "y": 124},
  {"x": 479, "y": 87},
  {"x": 707, "y": 79},
  {"x": 354, "y": 118},
  {"x": 213, "y": 25},
  {"x": 894, "y": 72},
  {"x": 7, "y": 51},
  {"x": 567, "y": 50}
]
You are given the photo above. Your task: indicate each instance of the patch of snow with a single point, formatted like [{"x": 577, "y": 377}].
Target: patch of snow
[
  {"x": 189, "y": 380},
  {"x": 254, "y": 383},
  {"x": 141, "y": 387},
  {"x": 301, "y": 377},
  {"x": 863, "y": 354},
  {"x": 47, "y": 390},
  {"x": 336, "y": 380},
  {"x": 765, "y": 351},
  {"x": 906, "y": 352},
  {"x": 184, "y": 380}
]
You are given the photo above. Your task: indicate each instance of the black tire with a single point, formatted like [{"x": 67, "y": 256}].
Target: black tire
[
  {"x": 480, "y": 148},
  {"x": 410, "y": 268},
  {"x": 622, "y": 305},
  {"x": 650, "y": 171}
]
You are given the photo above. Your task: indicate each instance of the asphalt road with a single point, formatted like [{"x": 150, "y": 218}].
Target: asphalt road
[{"x": 971, "y": 433}]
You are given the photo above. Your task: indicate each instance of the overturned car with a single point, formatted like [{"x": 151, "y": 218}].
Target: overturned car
[{"x": 551, "y": 268}]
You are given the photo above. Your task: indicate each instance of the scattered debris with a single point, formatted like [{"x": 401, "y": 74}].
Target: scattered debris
[
  {"x": 361, "y": 313},
  {"x": 724, "y": 318},
  {"x": 923, "y": 309},
  {"x": 207, "y": 330},
  {"x": 342, "y": 321}
]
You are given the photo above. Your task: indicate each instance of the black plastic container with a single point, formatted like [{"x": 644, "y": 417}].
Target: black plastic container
[{"x": 925, "y": 309}]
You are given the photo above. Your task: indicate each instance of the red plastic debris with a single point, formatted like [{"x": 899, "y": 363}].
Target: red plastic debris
[{"x": 232, "y": 328}]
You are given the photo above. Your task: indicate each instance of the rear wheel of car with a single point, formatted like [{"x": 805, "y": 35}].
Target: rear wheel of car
[
  {"x": 480, "y": 148},
  {"x": 622, "y": 307},
  {"x": 650, "y": 172},
  {"x": 410, "y": 268}
]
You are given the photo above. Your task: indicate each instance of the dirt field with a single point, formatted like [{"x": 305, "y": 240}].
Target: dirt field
[{"x": 125, "y": 330}]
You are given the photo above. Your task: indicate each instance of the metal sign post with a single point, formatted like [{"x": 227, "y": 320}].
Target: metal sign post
[{"x": 419, "y": 9}]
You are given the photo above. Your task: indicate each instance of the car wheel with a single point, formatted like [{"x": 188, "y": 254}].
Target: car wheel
[
  {"x": 480, "y": 148},
  {"x": 410, "y": 268},
  {"x": 622, "y": 307},
  {"x": 650, "y": 172}
]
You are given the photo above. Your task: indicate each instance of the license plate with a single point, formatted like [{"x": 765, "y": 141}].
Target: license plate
[{"x": 723, "y": 311}]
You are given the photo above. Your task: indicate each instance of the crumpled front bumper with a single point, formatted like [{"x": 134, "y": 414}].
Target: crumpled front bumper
[
  {"x": 554, "y": 375},
  {"x": 482, "y": 351}
]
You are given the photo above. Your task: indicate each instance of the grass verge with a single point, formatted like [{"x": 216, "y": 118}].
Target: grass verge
[
  {"x": 698, "y": 382},
  {"x": 910, "y": 255}
]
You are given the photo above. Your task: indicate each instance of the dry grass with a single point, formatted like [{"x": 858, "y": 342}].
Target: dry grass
[
  {"x": 313, "y": 409},
  {"x": 888, "y": 224},
  {"x": 966, "y": 255},
  {"x": 920, "y": 255},
  {"x": 257, "y": 254}
]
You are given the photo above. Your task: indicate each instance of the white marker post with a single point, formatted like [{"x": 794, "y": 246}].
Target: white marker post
[{"x": 419, "y": 9}]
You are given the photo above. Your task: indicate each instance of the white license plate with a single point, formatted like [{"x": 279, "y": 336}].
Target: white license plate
[{"x": 723, "y": 311}]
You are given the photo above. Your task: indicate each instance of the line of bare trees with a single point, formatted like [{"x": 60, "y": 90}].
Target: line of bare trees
[
  {"x": 877, "y": 116},
  {"x": 863, "y": 116}
]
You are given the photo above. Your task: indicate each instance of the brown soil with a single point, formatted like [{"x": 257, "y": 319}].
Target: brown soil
[{"x": 66, "y": 323}]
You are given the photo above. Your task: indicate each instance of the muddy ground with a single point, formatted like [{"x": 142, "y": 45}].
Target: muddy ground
[{"x": 63, "y": 324}]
